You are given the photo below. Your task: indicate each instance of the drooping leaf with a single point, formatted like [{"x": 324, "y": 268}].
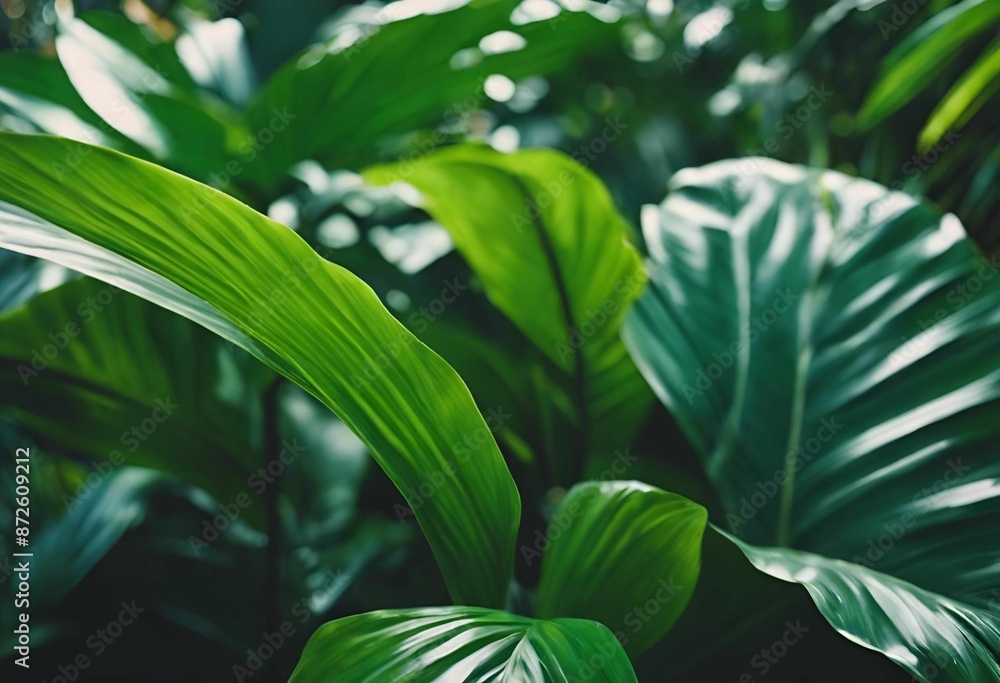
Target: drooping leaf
[
  {"x": 206, "y": 256},
  {"x": 924, "y": 54},
  {"x": 829, "y": 349},
  {"x": 461, "y": 644},
  {"x": 429, "y": 67},
  {"x": 542, "y": 234},
  {"x": 625, "y": 554}
]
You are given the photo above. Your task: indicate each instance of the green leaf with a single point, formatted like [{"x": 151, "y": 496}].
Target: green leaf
[
  {"x": 625, "y": 554},
  {"x": 37, "y": 89},
  {"x": 208, "y": 257},
  {"x": 442, "y": 644},
  {"x": 829, "y": 349},
  {"x": 934, "y": 638},
  {"x": 91, "y": 370},
  {"x": 541, "y": 233},
  {"x": 405, "y": 72},
  {"x": 966, "y": 97},
  {"x": 924, "y": 55},
  {"x": 142, "y": 90}
]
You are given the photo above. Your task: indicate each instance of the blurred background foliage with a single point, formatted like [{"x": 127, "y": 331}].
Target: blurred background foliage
[{"x": 903, "y": 93}]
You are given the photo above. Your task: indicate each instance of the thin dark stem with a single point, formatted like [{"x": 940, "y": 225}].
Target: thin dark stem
[{"x": 272, "y": 561}]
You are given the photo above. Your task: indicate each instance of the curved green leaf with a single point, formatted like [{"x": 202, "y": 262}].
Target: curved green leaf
[
  {"x": 829, "y": 348},
  {"x": 924, "y": 55},
  {"x": 406, "y": 70},
  {"x": 206, "y": 256},
  {"x": 624, "y": 554},
  {"x": 932, "y": 637},
  {"x": 445, "y": 644},
  {"x": 966, "y": 97},
  {"x": 542, "y": 234}
]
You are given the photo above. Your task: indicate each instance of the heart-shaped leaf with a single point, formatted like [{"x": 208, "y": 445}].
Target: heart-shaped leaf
[
  {"x": 829, "y": 347},
  {"x": 622, "y": 553},
  {"x": 443, "y": 644}
]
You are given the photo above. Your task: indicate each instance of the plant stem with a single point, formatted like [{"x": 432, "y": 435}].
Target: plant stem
[{"x": 272, "y": 558}]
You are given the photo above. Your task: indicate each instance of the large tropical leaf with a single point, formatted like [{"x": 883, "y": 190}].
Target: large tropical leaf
[
  {"x": 428, "y": 66},
  {"x": 829, "y": 349},
  {"x": 542, "y": 234},
  {"x": 444, "y": 644},
  {"x": 625, "y": 554},
  {"x": 203, "y": 254}
]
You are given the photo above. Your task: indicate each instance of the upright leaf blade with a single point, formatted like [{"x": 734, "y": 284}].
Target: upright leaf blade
[
  {"x": 461, "y": 644},
  {"x": 207, "y": 256},
  {"x": 829, "y": 348},
  {"x": 542, "y": 234},
  {"x": 624, "y": 554}
]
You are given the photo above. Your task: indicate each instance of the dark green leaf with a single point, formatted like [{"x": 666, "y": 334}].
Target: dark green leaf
[
  {"x": 829, "y": 349},
  {"x": 444, "y": 644}
]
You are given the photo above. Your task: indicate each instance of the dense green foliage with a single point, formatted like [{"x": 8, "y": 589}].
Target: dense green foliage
[{"x": 337, "y": 340}]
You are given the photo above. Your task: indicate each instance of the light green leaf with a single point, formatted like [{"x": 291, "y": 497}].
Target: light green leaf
[
  {"x": 966, "y": 97},
  {"x": 445, "y": 644},
  {"x": 924, "y": 55},
  {"x": 404, "y": 72},
  {"x": 829, "y": 349},
  {"x": 203, "y": 254},
  {"x": 625, "y": 554},
  {"x": 542, "y": 234}
]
